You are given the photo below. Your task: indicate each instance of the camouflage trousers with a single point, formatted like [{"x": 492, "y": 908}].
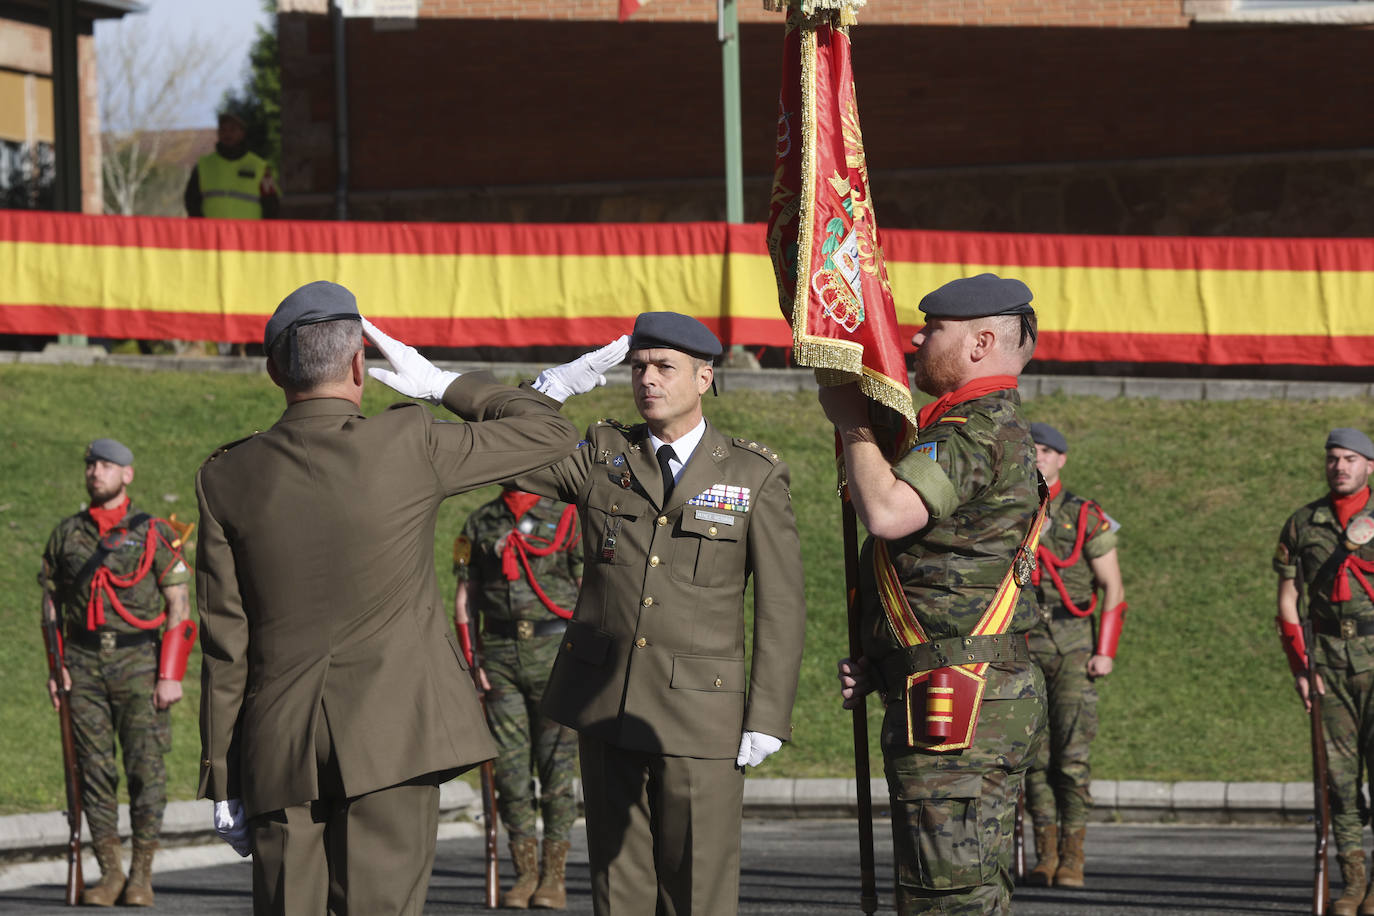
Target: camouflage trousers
[
  {"x": 1057, "y": 786},
  {"x": 1348, "y": 719},
  {"x": 112, "y": 699},
  {"x": 531, "y": 744},
  {"x": 953, "y": 814}
]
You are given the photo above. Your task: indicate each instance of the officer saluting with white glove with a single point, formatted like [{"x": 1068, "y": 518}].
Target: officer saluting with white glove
[
  {"x": 335, "y": 698},
  {"x": 676, "y": 517}
]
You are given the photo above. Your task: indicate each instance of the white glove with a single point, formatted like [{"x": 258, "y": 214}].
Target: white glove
[
  {"x": 584, "y": 373},
  {"x": 415, "y": 376},
  {"x": 755, "y": 747},
  {"x": 232, "y": 826}
]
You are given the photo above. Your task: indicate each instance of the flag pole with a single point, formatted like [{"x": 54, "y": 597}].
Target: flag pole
[{"x": 868, "y": 895}]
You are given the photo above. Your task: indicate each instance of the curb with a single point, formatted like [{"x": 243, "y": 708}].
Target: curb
[
  {"x": 29, "y": 836},
  {"x": 1032, "y": 386}
]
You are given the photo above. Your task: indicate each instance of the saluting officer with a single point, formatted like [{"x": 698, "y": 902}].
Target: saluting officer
[
  {"x": 676, "y": 517},
  {"x": 1077, "y": 556},
  {"x": 115, "y": 576},
  {"x": 335, "y": 697},
  {"x": 519, "y": 564},
  {"x": 942, "y": 576},
  {"x": 1331, "y": 537}
]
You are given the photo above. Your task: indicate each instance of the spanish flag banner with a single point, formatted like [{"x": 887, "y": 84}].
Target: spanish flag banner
[{"x": 822, "y": 232}]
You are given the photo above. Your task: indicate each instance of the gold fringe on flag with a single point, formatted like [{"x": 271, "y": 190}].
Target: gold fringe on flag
[{"x": 847, "y": 10}]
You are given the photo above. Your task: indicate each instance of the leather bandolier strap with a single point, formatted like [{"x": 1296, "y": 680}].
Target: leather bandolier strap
[{"x": 956, "y": 650}]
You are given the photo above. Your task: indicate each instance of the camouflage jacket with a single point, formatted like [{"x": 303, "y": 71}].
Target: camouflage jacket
[
  {"x": 477, "y": 560},
  {"x": 975, "y": 470},
  {"x": 1314, "y": 534},
  {"x": 73, "y": 542},
  {"x": 1059, "y": 535}
]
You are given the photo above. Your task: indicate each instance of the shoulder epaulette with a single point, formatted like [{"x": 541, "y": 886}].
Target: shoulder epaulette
[
  {"x": 614, "y": 424},
  {"x": 226, "y": 447},
  {"x": 402, "y": 404},
  {"x": 762, "y": 451}
]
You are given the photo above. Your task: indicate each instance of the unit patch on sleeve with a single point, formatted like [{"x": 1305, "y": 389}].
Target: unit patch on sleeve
[
  {"x": 927, "y": 449},
  {"x": 722, "y": 496}
]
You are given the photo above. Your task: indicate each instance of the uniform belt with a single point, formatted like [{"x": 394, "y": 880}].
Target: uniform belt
[
  {"x": 956, "y": 650},
  {"x": 109, "y": 639},
  {"x": 1345, "y": 627},
  {"x": 523, "y": 629}
]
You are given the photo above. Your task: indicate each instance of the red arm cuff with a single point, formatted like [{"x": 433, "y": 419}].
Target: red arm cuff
[
  {"x": 176, "y": 649},
  {"x": 1110, "y": 632},
  {"x": 464, "y": 640},
  {"x": 1294, "y": 647}
]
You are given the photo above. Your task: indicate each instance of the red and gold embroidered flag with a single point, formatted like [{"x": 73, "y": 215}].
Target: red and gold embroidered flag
[{"x": 822, "y": 233}]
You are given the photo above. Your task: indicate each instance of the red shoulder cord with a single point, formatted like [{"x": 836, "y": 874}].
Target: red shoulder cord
[
  {"x": 1049, "y": 561},
  {"x": 104, "y": 582},
  {"x": 1345, "y": 508},
  {"x": 565, "y": 537}
]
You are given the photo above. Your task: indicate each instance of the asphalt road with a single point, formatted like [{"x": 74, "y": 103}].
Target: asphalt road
[{"x": 803, "y": 867}]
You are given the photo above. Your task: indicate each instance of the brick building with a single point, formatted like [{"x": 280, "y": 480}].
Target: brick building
[{"x": 1202, "y": 117}]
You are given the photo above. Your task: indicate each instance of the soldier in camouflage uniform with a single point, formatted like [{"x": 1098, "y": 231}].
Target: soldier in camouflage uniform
[
  {"x": 949, "y": 522},
  {"x": 1329, "y": 537},
  {"x": 1077, "y": 555},
  {"x": 519, "y": 567},
  {"x": 114, "y": 575}
]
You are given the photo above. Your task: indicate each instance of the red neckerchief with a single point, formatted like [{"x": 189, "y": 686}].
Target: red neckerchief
[
  {"x": 1347, "y": 506},
  {"x": 519, "y": 502},
  {"x": 106, "y": 519},
  {"x": 974, "y": 389},
  {"x": 1055, "y": 489}
]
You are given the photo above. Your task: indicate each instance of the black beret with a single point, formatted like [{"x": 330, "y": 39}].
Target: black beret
[
  {"x": 1353, "y": 439},
  {"x": 1047, "y": 435},
  {"x": 676, "y": 332},
  {"x": 978, "y": 297},
  {"x": 110, "y": 450},
  {"x": 311, "y": 304}
]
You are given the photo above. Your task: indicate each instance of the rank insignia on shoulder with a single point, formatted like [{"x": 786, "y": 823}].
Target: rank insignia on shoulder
[
  {"x": 228, "y": 445},
  {"x": 614, "y": 424},
  {"x": 926, "y": 448},
  {"x": 757, "y": 449},
  {"x": 462, "y": 551}
]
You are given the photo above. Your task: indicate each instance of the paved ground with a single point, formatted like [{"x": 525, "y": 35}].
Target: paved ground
[{"x": 804, "y": 867}]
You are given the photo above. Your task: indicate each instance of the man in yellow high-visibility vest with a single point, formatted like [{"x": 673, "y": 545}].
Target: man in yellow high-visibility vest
[{"x": 231, "y": 182}]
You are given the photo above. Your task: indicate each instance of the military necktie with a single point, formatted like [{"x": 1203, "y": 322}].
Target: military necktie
[{"x": 664, "y": 453}]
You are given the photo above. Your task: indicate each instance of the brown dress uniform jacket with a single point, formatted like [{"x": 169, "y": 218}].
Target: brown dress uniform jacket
[
  {"x": 318, "y": 597},
  {"x": 653, "y": 659}
]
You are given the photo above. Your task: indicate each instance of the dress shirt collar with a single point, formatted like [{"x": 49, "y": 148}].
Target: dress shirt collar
[{"x": 682, "y": 448}]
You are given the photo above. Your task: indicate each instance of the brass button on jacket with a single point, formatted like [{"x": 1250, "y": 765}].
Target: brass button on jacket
[{"x": 641, "y": 642}]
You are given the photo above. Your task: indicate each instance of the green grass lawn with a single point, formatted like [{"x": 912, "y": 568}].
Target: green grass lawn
[{"x": 1200, "y": 689}]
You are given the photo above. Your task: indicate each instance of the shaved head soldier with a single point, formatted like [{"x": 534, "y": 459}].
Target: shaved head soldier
[
  {"x": 951, "y": 527},
  {"x": 1331, "y": 540}
]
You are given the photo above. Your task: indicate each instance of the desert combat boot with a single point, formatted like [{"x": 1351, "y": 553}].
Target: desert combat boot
[
  {"x": 139, "y": 890},
  {"x": 1070, "y": 870},
  {"x": 1046, "y": 856},
  {"x": 552, "y": 893},
  {"x": 1353, "y": 874},
  {"x": 525, "y": 853},
  {"x": 106, "y": 893}
]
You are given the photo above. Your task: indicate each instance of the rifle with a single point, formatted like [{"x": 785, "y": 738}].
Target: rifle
[
  {"x": 868, "y": 894},
  {"x": 70, "y": 765},
  {"x": 1018, "y": 859},
  {"x": 1320, "y": 794},
  {"x": 490, "y": 818}
]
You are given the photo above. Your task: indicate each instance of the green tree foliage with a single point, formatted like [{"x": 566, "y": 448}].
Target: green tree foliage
[{"x": 258, "y": 100}]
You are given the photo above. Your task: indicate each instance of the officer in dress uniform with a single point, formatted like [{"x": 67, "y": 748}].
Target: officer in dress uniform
[
  {"x": 952, "y": 526},
  {"x": 1332, "y": 540},
  {"x": 676, "y": 518},
  {"x": 519, "y": 565},
  {"x": 115, "y": 575},
  {"x": 335, "y": 698},
  {"x": 1077, "y": 555}
]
